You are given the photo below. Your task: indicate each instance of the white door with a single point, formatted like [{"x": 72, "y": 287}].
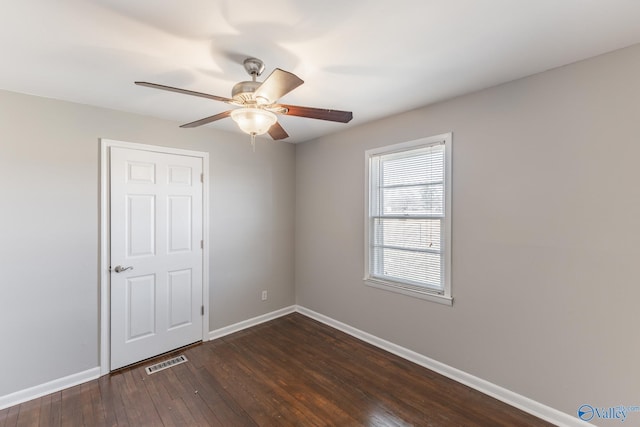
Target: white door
[{"x": 156, "y": 254}]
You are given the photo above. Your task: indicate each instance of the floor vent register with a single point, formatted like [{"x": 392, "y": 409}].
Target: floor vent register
[{"x": 165, "y": 364}]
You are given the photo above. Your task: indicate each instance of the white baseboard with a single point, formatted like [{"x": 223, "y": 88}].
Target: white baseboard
[
  {"x": 219, "y": 333},
  {"x": 48, "y": 388},
  {"x": 530, "y": 406},
  {"x": 514, "y": 399}
]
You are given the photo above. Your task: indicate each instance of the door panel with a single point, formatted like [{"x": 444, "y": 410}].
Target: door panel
[
  {"x": 156, "y": 228},
  {"x": 141, "y": 230},
  {"x": 181, "y": 289},
  {"x": 180, "y": 226},
  {"x": 140, "y": 313}
]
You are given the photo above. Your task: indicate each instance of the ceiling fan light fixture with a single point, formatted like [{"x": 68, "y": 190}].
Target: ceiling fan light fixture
[
  {"x": 254, "y": 121},
  {"x": 258, "y": 103}
]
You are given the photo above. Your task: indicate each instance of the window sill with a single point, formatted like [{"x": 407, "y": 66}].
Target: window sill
[{"x": 399, "y": 289}]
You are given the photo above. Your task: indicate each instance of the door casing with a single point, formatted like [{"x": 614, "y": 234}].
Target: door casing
[{"x": 105, "y": 321}]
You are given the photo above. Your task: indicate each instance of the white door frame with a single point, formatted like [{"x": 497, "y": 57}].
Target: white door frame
[{"x": 105, "y": 249}]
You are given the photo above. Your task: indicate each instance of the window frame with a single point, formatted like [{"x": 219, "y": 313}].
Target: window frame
[{"x": 443, "y": 296}]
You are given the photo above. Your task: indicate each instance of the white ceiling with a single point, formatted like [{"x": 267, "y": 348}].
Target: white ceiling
[{"x": 372, "y": 57}]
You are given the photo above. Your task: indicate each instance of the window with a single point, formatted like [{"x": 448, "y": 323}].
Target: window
[{"x": 408, "y": 226}]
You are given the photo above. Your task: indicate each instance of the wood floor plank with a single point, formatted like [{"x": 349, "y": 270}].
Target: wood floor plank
[
  {"x": 55, "y": 411},
  {"x": 29, "y": 414},
  {"x": 90, "y": 406},
  {"x": 45, "y": 410},
  {"x": 11, "y": 418},
  {"x": 71, "y": 407},
  {"x": 139, "y": 406},
  {"x": 291, "y": 371},
  {"x": 111, "y": 392}
]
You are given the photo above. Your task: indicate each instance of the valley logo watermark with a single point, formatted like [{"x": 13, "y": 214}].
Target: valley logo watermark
[{"x": 620, "y": 412}]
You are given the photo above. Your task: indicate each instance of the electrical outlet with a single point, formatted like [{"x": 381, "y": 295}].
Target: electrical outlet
[{"x": 264, "y": 295}]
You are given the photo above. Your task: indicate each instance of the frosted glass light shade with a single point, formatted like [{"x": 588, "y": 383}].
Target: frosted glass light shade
[{"x": 253, "y": 121}]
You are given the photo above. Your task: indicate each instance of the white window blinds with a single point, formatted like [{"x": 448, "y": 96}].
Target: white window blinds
[{"x": 407, "y": 209}]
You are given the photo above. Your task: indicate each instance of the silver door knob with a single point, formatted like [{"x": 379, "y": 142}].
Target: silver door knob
[{"x": 120, "y": 269}]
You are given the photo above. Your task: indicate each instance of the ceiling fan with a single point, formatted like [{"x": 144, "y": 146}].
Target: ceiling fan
[{"x": 258, "y": 102}]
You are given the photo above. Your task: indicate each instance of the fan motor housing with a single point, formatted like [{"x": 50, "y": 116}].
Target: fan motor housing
[{"x": 243, "y": 91}]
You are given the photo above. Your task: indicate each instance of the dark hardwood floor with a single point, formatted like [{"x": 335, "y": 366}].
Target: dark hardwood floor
[{"x": 290, "y": 371}]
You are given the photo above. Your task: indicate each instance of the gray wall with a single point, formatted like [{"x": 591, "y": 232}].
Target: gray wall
[
  {"x": 49, "y": 229},
  {"x": 546, "y": 234}
]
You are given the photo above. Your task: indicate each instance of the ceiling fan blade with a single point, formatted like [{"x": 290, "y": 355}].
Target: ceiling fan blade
[
  {"x": 278, "y": 84},
  {"x": 207, "y": 120},
  {"x": 276, "y": 131},
  {"x": 318, "y": 113},
  {"x": 184, "y": 91}
]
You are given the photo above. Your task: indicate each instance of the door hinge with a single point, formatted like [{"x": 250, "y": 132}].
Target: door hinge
[
  {"x": 202, "y": 177},
  {"x": 201, "y": 244},
  {"x": 202, "y": 310}
]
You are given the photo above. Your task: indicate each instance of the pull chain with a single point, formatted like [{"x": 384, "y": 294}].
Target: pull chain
[{"x": 253, "y": 141}]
